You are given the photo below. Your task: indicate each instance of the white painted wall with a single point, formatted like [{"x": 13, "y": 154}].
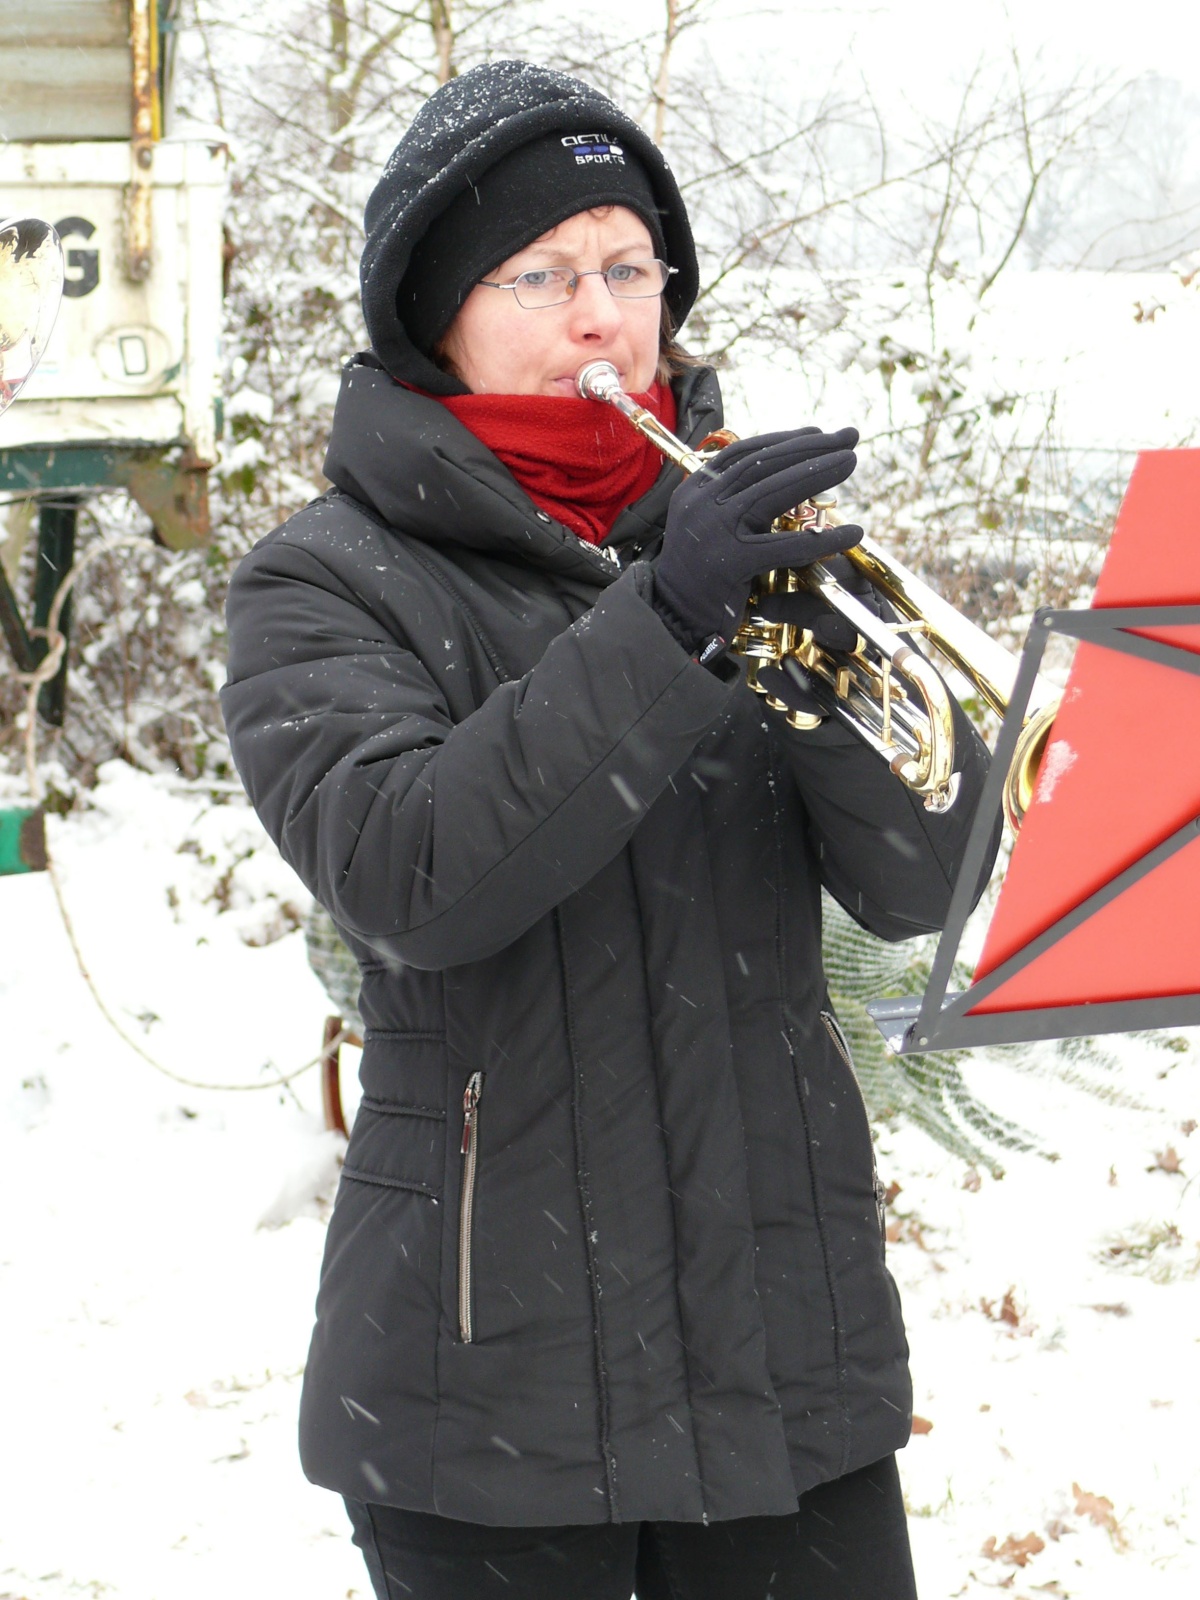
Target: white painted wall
[{"x": 127, "y": 362}]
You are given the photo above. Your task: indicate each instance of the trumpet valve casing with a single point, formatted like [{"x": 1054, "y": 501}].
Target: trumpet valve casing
[{"x": 756, "y": 638}]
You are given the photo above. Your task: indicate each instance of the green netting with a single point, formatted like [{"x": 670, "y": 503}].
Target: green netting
[
  {"x": 333, "y": 964},
  {"x": 928, "y": 1089}
]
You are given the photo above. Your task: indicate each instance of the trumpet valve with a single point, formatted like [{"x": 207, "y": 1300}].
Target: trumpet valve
[
  {"x": 821, "y": 506},
  {"x": 752, "y": 670},
  {"x": 758, "y": 639}
]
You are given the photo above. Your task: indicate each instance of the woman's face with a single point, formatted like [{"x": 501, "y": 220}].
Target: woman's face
[{"x": 498, "y": 347}]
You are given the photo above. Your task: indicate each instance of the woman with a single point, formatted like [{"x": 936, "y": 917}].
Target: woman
[{"x": 604, "y": 1297}]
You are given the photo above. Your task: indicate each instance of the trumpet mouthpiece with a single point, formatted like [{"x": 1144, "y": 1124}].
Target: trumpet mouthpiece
[{"x": 597, "y": 380}]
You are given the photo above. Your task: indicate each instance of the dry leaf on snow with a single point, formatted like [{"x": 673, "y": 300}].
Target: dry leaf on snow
[
  {"x": 1008, "y": 1311},
  {"x": 905, "y": 1227},
  {"x": 1166, "y": 1161},
  {"x": 1014, "y": 1552},
  {"x": 1100, "y": 1509},
  {"x": 1097, "y": 1506}
]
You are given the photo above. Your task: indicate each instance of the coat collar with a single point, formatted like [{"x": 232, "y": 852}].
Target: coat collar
[{"x": 404, "y": 455}]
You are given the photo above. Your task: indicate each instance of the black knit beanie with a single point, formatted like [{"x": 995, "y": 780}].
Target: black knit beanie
[
  {"x": 528, "y": 192},
  {"x": 493, "y": 160}
]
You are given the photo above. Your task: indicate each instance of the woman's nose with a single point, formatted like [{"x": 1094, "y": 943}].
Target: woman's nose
[{"x": 594, "y": 311}]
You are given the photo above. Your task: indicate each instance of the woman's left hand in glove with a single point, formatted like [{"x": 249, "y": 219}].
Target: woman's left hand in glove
[
  {"x": 805, "y": 609},
  {"x": 789, "y": 682}
]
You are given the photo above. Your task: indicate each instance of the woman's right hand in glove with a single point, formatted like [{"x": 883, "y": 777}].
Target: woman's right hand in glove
[{"x": 717, "y": 537}]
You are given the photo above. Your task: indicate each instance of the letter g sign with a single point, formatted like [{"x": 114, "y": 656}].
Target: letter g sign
[{"x": 83, "y": 266}]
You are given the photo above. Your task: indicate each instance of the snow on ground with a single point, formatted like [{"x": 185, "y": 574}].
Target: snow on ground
[
  {"x": 1054, "y": 1318},
  {"x": 160, "y": 1245}
]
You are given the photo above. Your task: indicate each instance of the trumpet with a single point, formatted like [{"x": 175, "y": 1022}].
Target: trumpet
[{"x": 884, "y": 689}]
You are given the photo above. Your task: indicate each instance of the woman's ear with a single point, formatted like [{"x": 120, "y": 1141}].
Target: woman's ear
[{"x": 442, "y": 356}]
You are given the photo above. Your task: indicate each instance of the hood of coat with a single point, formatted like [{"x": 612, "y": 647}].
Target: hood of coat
[
  {"x": 406, "y": 457},
  {"x": 461, "y": 131}
]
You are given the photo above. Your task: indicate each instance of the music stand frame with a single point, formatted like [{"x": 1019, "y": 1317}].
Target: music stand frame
[{"x": 938, "y": 1019}]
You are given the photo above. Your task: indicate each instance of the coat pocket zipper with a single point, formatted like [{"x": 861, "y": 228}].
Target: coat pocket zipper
[
  {"x": 466, "y": 1211},
  {"x": 842, "y": 1045}
]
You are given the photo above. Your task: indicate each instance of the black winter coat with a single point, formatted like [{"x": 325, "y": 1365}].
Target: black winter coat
[{"x": 581, "y": 874}]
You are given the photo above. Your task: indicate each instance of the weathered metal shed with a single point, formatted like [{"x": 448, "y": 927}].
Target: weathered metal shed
[
  {"x": 69, "y": 65},
  {"x": 128, "y": 392}
]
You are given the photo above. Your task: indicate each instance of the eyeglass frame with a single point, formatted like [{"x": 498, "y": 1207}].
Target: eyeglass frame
[{"x": 593, "y": 272}]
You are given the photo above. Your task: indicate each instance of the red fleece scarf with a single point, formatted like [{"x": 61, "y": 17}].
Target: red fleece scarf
[{"x": 576, "y": 459}]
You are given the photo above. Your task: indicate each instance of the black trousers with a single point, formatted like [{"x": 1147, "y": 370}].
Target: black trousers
[{"x": 847, "y": 1540}]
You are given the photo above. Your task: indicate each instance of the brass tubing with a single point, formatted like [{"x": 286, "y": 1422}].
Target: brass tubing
[{"x": 922, "y": 753}]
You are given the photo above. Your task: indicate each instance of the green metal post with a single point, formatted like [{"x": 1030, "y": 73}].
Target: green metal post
[
  {"x": 56, "y": 552},
  {"x": 22, "y": 840},
  {"x": 13, "y": 627}
]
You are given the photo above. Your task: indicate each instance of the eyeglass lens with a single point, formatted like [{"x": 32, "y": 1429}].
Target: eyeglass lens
[{"x": 627, "y": 280}]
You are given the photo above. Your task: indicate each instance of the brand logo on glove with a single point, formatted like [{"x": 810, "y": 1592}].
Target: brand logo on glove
[{"x": 594, "y": 149}]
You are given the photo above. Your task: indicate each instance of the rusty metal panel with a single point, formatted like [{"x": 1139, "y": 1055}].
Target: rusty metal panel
[
  {"x": 67, "y": 69},
  {"x": 138, "y": 223}
]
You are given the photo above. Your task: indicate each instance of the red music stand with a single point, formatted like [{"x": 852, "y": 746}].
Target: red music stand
[{"x": 1097, "y": 926}]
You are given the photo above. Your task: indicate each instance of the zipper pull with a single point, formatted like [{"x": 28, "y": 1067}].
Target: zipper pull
[{"x": 470, "y": 1101}]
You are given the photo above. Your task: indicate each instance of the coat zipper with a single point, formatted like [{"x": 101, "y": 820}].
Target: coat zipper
[
  {"x": 466, "y": 1213},
  {"x": 842, "y": 1045}
]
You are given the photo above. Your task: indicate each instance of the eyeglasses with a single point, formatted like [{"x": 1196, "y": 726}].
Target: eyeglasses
[{"x": 553, "y": 286}]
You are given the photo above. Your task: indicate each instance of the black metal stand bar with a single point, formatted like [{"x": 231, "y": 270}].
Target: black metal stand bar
[
  {"x": 962, "y": 902},
  {"x": 894, "y": 1019}
]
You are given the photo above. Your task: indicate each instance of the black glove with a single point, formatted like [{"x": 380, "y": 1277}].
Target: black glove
[
  {"x": 716, "y": 539},
  {"x": 789, "y": 682},
  {"x": 806, "y": 610}
]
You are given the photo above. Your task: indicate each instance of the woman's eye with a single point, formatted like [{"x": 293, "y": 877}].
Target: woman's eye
[
  {"x": 626, "y": 272},
  {"x": 537, "y": 279}
]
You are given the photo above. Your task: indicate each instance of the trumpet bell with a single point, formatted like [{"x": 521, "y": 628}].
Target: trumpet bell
[{"x": 1021, "y": 778}]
